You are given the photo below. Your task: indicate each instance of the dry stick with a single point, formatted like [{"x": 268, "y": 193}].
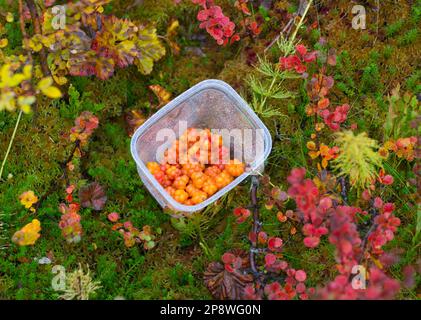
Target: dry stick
[
  {"x": 256, "y": 223},
  {"x": 301, "y": 21},
  {"x": 22, "y": 29},
  {"x": 286, "y": 28},
  {"x": 377, "y": 22},
  {"x": 10, "y": 144},
  {"x": 374, "y": 213},
  {"x": 289, "y": 24},
  {"x": 37, "y": 28}
]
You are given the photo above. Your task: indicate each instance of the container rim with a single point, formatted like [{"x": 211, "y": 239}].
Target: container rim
[{"x": 206, "y": 84}]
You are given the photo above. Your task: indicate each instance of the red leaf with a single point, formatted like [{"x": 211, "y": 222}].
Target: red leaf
[
  {"x": 300, "y": 276},
  {"x": 270, "y": 259},
  {"x": 92, "y": 196}
]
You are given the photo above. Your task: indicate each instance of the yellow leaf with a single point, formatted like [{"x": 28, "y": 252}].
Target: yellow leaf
[
  {"x": 172, "y": 28},
  {"x": 26, "y": 108},
  {"x": 313, "y": 154},
  {"x": 52, "y": 92},
  {"x": 311, "y": 145},
  {"x": 15, "y": 80},
  {"x": 28, "y": 235},
  {"x": 3, "y": 43},
  {"x": 35, "y": 46},
  {"x": 28, "y": 198},
  {"x": 60, "y": 80},
  {"x": 163, "y": 95},
  {"x": 27, "y": 71},
  {"x": 25, "y": 103},
  {"x": 9, "y": 17},
  {"x": 45, "y": 83}
]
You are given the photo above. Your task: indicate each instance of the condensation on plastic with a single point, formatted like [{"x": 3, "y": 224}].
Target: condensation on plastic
[{"x": 209, "y": 104}]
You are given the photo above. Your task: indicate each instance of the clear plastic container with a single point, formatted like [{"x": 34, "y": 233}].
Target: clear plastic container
[{"x": 209, "y": 104}]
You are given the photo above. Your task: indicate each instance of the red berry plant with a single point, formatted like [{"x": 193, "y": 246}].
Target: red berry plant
[
  {"x": 221, "y": 27},
  {"x": 347, "y": 205}
]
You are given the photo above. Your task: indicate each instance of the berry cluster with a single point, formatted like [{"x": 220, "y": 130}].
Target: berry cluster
[{"x": 195, "y": 167}]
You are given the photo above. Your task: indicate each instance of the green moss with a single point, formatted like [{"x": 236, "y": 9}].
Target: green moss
[{"x": 409, "y": 37}]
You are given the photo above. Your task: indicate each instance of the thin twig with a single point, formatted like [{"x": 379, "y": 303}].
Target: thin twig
[
  {"x": 37, "y": 28},
  {"x": 10, "y": 143},
  {"x": 22, "y": 29},
  {"x": 256, "y": 222},
  {"x": 373, "y": 225},
  {"x": 288, "y": 26},
  {"x": 301, "y": 21}
]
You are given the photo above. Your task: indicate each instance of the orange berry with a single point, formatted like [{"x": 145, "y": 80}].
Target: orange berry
[
  {"x": 198, "y": 179},
  {"x": 199, "y": 197},
  {"x": 212, "y": 171},
  {"x": 159, "y": 176},
  {"x": 166, "y": 181},
  {"x": 191, "y": 189},
  {"x": 180, "y": 196},
  {"x": 223, "y": 179},
  {"x": 235, "y": 167},
  {"x": 164, "y": 166},
  {"x": 209, "y": 187},
  {"x": 170, "y": 190},
  {"x": 153, "y": 167},
  {"x": 181, "y": 182},
  {"x": 189, "y": 168},
  {"x": 188, "y": 202},
  {"x": 173, "y": 172}
]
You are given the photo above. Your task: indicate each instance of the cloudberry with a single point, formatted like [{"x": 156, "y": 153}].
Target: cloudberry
[
  {"x": 180, "y": 196},
  {"x": 159, "y": 176},
  {"x": 189, "y": 168},
  {"x": 166, "y": 181},
  {"x": 170, "y": 190},
  {"x": 173, "y": 172},
  {"x": 235, "y": 167},
  {"x": 181, "y": 182},
  {"x": 212, "y": 171},
  {"x": 199, "y": 197},
  {"x": 191, "y": 189},
  {"x": 198, "y": 179},
  {"x": 223, "y": 179},
  {"x": 209, "y": 187},
  {"x": 153, "y": 167}
]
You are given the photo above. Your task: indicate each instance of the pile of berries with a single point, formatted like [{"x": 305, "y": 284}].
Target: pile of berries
[{"x": 195, "y": 167}]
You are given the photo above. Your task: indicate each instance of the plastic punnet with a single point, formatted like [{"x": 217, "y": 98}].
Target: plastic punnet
[{"x": 209, "y": 104}]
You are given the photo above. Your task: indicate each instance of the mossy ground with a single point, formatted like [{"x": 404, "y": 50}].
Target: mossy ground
[{"x": 370, "y": 64}]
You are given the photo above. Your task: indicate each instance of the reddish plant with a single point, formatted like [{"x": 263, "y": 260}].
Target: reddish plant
[
  {"x": 298, "y": 61},
  {"x": 219, "y": 26}
]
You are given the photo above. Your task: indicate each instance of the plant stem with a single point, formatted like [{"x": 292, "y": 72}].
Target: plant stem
[
  {"x": 301, "y": 21},
  {"x": 256, "y": 222},
  {"x": 37, "y": 28},
  {"x": 10, "y": 144}
]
